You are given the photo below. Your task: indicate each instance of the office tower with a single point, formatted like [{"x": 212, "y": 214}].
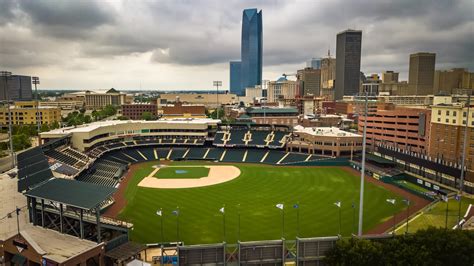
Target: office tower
[
  {"x": 421, "y": 73},
  {"x": 328, "y": 77},
  {"x": 348, "y": 51},
  {"x": 314, "y": 63},
  {"x": 451, "y": 81},
  {"x": 389, "y": 77},
  {"x": 309, "y": 80},
  {"x": 19, "y": 88},
  {"x": 235, "y": 85},
  {"x": 251, "y": 50}
]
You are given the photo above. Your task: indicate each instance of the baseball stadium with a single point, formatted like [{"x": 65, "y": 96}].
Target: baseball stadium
[{"x": 201, "y": 191}]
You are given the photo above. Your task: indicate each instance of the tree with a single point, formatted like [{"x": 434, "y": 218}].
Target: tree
[
  {"x": 432, "y": 246},
  {"x": 148, "y": 116}
]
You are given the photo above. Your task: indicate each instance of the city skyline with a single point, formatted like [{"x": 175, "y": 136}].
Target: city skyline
[{"x": 98, "y": 45}]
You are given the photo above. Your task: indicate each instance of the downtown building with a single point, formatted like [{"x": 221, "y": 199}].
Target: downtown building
[
  {"x": 421, "y": 74},
  {"x": 19, "y": 88},
  {"x": 309, "y": 81},
  {"x": 401, "y": 127},
  {"x": 250, "y": 72},
  {"x": 348, "y": 53}
]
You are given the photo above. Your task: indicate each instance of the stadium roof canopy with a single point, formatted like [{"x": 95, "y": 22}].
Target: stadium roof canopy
[{"x": 73, "y": 193}]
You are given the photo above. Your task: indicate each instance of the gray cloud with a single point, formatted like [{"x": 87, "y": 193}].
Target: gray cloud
[{"x": 206, "y": 32}]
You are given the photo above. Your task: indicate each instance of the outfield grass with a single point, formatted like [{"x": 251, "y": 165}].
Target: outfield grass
[
  {"x": 436, "y": 215},
  {"x": 187, "y": 172},
  {"x": 254, "y": 194}
]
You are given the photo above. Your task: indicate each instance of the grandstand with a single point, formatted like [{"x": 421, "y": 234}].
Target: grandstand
[{"x": 99, "y": 153}]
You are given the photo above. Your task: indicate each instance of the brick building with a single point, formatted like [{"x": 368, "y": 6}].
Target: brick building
[
  {"x": 180, "y": 110},
  {"x": 407, "y": 128},
  {"x": 135, "y": 111}
]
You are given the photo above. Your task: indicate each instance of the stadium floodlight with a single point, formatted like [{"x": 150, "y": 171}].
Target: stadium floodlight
[
  {"x": 36, "y": 81},
  {"x": 6, "y": 75},
  {"x": 217, "y": 84}
]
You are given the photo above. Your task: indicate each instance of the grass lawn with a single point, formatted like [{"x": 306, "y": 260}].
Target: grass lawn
[
  {"x": 436, "y": 215},
  {"x": 254, "y": 195},
  {"x": 412, "y": 186},
  {"x": 182, "y": 172}
]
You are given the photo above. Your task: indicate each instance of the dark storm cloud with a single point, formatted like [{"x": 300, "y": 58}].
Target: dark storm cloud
[{"x": 208, "y": 32}]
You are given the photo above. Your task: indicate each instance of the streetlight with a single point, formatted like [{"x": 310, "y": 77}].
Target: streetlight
[
  {"x": 36, "y": 81},
  {"x": 392, "y": 201},
  {"x": 217, "y": 83},
  {"x": 6, "y": 75}
]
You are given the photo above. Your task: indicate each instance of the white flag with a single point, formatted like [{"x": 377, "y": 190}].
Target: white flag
[
  {"x": 392, "y": 201},
  {"x": 338, "y": 204},
  {"x": 280, "y": 206},
  {"x": 159, "y": 213},
  {"x": 222, "y": 210}
]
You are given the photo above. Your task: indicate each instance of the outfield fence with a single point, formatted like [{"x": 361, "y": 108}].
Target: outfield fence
[{"x": 302, "y": 251}]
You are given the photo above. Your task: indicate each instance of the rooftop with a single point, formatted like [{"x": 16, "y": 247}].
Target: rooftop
[
  {"x": 95, "y": 125},
  {"x": 71, "y": 192},
  {"x": 271, "y": 110},
  {"x": 10, "y": 199},
  {"x": 53, "y": 245},
  {"x": 324, "y": 131}
]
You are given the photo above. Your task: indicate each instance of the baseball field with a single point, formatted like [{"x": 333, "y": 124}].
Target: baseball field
[{"x": 308, "y": 196}]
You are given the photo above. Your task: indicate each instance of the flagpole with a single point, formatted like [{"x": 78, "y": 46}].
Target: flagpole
[
  {"x": 177, "y": 226},
  {"x": 162, "y": 236},
  {"x": 298, "y": 221},
  {"x": 238, "y": 224},
  {"x": 223, "y": 222},
  {"x": 353, "y": 217},
  {"x": 283, "y": 223},
  {"x": 339, "y": 220}
]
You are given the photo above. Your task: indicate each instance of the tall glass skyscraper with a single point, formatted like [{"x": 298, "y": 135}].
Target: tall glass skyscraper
[{"x": 251, "y": 50}]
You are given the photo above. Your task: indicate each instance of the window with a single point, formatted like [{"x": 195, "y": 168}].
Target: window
[
  {"x": 447, "y": 112},
  {"x": 447, "y": 120},
  {"x": 464, "y": 114},
  {"x": 454, "y": 121},
  {"x": 439, "y": 112}
]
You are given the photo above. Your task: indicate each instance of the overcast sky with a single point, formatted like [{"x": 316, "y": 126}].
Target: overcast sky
[{"x": 186, "y": 44}]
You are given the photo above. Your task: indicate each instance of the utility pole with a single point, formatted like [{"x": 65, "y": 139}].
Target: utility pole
[{"x": 6, "y": 75}]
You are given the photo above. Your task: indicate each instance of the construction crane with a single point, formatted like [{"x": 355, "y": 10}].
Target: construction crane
[{"x": 291, "y": 74}]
